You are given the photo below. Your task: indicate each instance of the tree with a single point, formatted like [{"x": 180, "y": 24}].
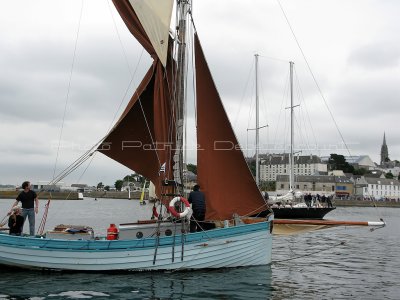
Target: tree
[
  {"x": 268, "y": 185},
  {"x": 100, "y": 186},
  {"x": 252, "y": 166},
  {"x": 130, "y": 178},
  {"x": 118, "y": 184},
  {"x": 192, "y": 168},
  {"x": 361, "y": 171},
  {"x": 338, "y": 162},
  {"x": 107, "y": 188},
  {"x": 389, "y": 175}
]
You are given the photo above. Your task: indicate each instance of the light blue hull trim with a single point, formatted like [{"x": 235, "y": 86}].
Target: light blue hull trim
[{"x": 243, "y": 245}]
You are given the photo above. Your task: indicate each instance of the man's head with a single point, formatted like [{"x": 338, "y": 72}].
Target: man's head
[
  {"x": 26, "y": 185},
  {"x": 196, "y": 187}
]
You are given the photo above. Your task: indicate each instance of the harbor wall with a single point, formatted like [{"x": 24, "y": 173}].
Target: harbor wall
[
  {"x": 137, "y": 194},
  {"x": 116, "y": 195},
  {"x": 366, "y": 203},
  {"x": 42, "y": 195}
]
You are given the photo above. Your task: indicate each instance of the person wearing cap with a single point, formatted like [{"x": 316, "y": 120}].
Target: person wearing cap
[
  {"x": 197, "y": 199},
  {"x": 16, "y": 221},
  {"x": 30, "y": 205}
]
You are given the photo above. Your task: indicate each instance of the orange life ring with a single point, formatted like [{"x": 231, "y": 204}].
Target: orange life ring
[{"x": 172, "y": 210}]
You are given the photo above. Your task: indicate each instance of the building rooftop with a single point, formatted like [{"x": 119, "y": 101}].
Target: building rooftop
[{"x": 278, "y": 159}]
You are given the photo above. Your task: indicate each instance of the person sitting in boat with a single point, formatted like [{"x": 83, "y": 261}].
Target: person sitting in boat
[
  {"x": 16, "y": 221},
  {"x": 197, "y": 199}
]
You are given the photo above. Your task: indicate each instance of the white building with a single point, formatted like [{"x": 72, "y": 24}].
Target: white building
[
  {"x": 381, "y": 188},
  {"x": 273, "y": 165}
]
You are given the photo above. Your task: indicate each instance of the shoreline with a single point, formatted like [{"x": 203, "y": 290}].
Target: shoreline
[
  {"x": 43, "y": 195},
  {"x": 365, "y": 203},
  {"x": 136, "y": 196}
]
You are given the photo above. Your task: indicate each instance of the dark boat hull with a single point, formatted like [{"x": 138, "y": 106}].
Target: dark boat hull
[{"x": 299, "y": 212}]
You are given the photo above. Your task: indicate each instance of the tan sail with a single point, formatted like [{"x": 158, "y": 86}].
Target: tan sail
[{"x": 155, "y": 16}]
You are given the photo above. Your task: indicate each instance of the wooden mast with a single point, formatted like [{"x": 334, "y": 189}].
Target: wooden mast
[{"x": 183, "y": 8}]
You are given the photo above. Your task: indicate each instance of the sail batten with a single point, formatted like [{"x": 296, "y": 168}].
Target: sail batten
[{"x": 222, "y": 171}]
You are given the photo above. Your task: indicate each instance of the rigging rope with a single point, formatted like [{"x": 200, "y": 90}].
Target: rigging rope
[
  {"x": 314, "y": 79},
  {"x": 43, "y": 221},
  {"x": 69, "y": 88}
]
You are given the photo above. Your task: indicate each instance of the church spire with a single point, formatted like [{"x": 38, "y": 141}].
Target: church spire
[{"x": 384, "y": 151}]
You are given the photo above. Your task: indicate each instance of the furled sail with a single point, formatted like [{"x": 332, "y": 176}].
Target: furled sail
[
  {"x": 223, "y": 174},
  {"x": 143, "y": 137}
]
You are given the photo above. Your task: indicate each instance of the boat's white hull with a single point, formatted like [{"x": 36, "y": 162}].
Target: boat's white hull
[{"x": 245, "y": 245}]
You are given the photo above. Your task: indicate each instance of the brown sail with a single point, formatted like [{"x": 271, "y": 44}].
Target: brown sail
[
  {"x": 143, "y": 137},
  {"x": 222, "y": 171}
]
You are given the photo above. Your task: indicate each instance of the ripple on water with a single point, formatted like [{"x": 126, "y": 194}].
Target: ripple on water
[{"x": 337, "y": 263}]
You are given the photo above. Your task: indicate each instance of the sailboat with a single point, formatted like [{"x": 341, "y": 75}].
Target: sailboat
[
  {"x": 149, "y": 139},
  {"x": 292, "y": 204}
]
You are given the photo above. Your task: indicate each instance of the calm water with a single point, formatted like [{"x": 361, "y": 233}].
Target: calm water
[{"x": 337, "y": 263}]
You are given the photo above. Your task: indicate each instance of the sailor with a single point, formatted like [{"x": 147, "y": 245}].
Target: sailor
[
  {"x": 197, "y": 199},
  {"x": 30, "y": 205}
]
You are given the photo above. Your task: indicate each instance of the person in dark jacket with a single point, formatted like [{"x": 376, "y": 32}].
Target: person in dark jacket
[
  {"x": 15, "y": 221},
  {"x": 30, "y": 205},
  {"x": 197, "y": 199}
]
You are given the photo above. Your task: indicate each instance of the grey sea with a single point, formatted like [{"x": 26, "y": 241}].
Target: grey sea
[{"x": 335, "y": 263}]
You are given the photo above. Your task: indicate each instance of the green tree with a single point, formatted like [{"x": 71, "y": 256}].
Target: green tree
[
  {"x": 389, "y": 175},
  {"x": 252, "y": 166},
  {"x": 130, "y": 178},
  {"x": 360, "y": 171},
  {"x": 338, "y": 162},
  {"x": 118, "y": 184},
  {"x": 267, "y": 185},
  {"x": 192, "y": 168},
  {"x": 100, "y": 186},
  {"x": 107, "y": 188}
]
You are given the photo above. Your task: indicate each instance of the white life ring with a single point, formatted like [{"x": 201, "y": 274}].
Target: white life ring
[{"x": 172, "y": 210}]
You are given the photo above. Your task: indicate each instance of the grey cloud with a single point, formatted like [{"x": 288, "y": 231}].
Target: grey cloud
[{"x": 376, "y": 56}]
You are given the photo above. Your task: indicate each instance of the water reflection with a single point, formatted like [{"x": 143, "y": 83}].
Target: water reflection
[{"x": 239, "y": 283}]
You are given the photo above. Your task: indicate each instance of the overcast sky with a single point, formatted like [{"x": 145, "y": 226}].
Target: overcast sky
[{"x": 352, "y": 48}]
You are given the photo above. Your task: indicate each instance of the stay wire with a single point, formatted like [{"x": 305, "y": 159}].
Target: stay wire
[
  {"x": 314, "y": 79},
  {"x": 68, "y": 89}
]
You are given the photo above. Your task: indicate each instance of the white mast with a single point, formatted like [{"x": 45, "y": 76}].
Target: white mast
[
  {"x": 257, "y": 124},
  {"x": 291, "y": 178}
]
